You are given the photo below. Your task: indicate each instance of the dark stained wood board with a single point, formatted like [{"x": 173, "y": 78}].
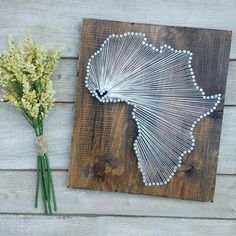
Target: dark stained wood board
[{"x": 102, "y": 156}]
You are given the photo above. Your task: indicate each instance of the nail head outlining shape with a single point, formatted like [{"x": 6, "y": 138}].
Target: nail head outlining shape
[{"x": 167, "y": 101}]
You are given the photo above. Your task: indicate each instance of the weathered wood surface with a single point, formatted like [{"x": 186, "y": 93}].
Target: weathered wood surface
[
  {"x": 57, "y": 22},
  {"x": 17, "y": 139},
  {"x": 116, "y": 226},
  {"x": 102, "y": 156},
  {"x": 17, "y": 196},
  {"x": 230, "y": 98}
]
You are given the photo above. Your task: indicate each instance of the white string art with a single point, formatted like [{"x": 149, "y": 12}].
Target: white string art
[{"x": 161, "y": 86}]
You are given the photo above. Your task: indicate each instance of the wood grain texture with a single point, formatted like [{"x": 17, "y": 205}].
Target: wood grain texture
[
  {"x": 102, "y": 156},
  {"x": 116, "y": 226},
  {"x": 18, "y": 151},
  {"x": 57, "y": 22},
  {"x": 17, "y": 196}
]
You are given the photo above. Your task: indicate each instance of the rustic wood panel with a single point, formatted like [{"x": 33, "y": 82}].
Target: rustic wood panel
[
  {"x": 17, "y": 139},
  {"x": 29, "y": 225},
  {"x": 17, "y": 196},
  {"x": 65, "y": 77},
  {"x": 102, "y": 156},
  {"x": 57, "y": 22}
]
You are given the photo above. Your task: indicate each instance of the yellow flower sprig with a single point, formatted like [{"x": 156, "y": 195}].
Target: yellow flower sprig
[
  {"x": 25, "y": 73},
  {"x": 25, "y": 82}
]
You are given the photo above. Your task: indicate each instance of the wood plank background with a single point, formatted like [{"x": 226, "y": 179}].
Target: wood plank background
[{"x": 84, "y": 212}]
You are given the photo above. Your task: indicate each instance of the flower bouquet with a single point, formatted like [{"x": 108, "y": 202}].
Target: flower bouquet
[{"x": 25, "y": 72}]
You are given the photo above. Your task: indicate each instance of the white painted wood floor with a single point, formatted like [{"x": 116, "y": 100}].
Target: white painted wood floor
[{"x": 97, "y": 213}]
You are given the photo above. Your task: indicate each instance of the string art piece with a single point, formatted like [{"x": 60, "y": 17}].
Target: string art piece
[{"x": 167, "y": 101}]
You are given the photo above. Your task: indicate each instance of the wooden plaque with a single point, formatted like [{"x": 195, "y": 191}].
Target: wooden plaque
[{"x": 102, "y": 155}]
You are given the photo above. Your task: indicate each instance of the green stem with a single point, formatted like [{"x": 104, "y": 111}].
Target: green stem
[
  {"x": 43, "y": 188},
  {"x": 48, "y": 178},
  {"x": 45, "y": 182},
  {"x": 37, "y": 183},
  {"x": 44, "y": 175},
  {"x": 51, "y": 184}
]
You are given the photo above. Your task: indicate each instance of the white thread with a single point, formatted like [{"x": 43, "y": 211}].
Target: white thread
[{"x": 161, "y": 86}]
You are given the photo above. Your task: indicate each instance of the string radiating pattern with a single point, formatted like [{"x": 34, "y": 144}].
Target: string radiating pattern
[{"x": 161, "y": 86}]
